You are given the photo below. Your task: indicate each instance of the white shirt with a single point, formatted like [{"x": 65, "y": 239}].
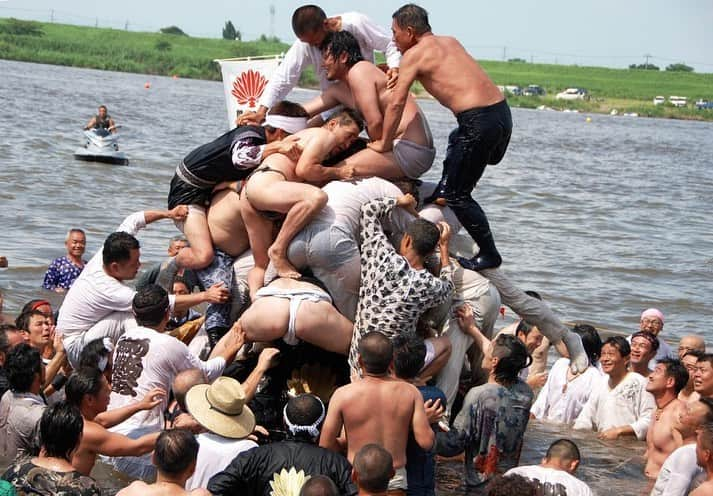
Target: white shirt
[
  {"x": 561, "y": 401},
  {"x": 677, "y": 472},
  {"x": 549, "y": 478},
  {"x": 145, "y": 359},
  {"x": 345, "y": 199},
  {"x": 95, "y": 294},
  {"x": 214, "y": 454},
  {"x": 369, "y": 35},
  {"x": 627, "y": 404}
]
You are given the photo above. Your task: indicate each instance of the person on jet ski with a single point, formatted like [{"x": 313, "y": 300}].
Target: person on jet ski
[{"x": 102, "y": 121}]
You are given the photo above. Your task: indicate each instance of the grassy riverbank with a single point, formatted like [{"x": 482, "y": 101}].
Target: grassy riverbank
[{"x": 166, "y": 54}]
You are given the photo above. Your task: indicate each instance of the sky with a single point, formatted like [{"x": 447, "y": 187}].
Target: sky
[{"x": 610, "y": 33}]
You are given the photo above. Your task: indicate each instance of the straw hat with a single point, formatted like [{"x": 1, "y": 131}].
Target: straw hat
[{"x": 220, "y": 408}]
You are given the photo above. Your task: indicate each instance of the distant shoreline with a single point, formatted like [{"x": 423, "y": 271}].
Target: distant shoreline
[{"x": 623, "y": 90}]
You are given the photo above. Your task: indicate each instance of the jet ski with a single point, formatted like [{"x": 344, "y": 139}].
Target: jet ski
[{"x": 101, "y": 146}]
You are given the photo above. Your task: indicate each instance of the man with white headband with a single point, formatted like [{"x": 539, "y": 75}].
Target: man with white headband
[
  {"x": 268, "y": 466},
  {"x": 231, "y": 157}
]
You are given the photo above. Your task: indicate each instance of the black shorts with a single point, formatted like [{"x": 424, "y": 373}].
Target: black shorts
[{"x": 182, "y": 193}]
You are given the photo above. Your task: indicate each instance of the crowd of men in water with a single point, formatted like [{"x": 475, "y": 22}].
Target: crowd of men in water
[{"x": 345, "y": 313}]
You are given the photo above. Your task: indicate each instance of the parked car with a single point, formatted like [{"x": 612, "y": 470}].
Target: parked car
[
  {"x": 533, "y": 90},
  {"x": 678, "y": 101},
  {"x": 659, "y": 100},
  {"x": 704, "y": 104},
  {"x": 572, "y": 94},
  {"x": 513, "y": 90}
]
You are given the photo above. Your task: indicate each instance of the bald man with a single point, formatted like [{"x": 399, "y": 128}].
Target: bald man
[{"x": 690, "y": 342}]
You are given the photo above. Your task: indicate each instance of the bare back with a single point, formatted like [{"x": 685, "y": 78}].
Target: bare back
[
  {"x": 140, "y": 488},
  {"x": 378, "y": 411},
  {"x": 225, "y": 223},
  {"x": 450, "y": 74}
]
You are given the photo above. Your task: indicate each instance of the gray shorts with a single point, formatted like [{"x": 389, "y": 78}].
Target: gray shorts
[{"x": 413, "y": 159}]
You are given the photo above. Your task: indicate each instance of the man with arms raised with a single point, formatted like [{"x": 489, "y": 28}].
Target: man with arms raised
[
  {"x": 362, "y": 86},
  {"x": 276, "y": 189},
  {"x": 311, "y": 26},
  {"x": 377, "y": 409},
  {"x": 98, "y": 304},
  {"x": 664, "y": 383},
  {"x": 680, "y": 468},
  {"x": 456, "y": 80}
]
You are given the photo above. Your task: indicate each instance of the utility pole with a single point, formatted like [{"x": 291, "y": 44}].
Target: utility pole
[
  {"x": 126, "y": 26},
  {"x": 52, "y": 15},
  {"x": 96, "y": 22},
  {"x": 272, "y": 20},
  {"x": 505, "y": 51},
  {"x": 647, "y": 60},
  {"x": 531, "y": 58}
]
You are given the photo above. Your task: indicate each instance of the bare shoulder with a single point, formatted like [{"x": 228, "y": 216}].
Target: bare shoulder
[
  {"x": 135, "y": 488},
  {"x": 704, "y": 489},
  {"x": 200, "y": 492}
]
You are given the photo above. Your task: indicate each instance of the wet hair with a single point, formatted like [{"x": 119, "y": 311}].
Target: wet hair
[
  {"x": 34, "y": 304},
  {"x": 523, "y": 328},
  {"x": 620, "y": 343},
  {"x": 412, "y": 16},
  {"x": 61, "y": 429},
  {"x": 149, "y": 305},
  {"x": 424, "y": 235},
  {"x": 82, "y": 382},
  {"x": 175, "y": 450},
  {"x": 23, "y": 320},
  {"x": 513, "y": 357},
  {"x": 343, "y": 42},
  {"x": 178, "y": 238},
  {"x": 307, "y": 19},
  {"x": 4, "y": 341},
  {"x": 591, "y": 341},
  {"x": 304, "y": 409},
  {"x": 319, "y": 485},
  {"x": 75, "y": 230},
  {"x": 118, "y": 246},
  {"x": 374, "y": 466},
  {"x": 676, "y": 369},
  {"x": 509, "y": 485},
  {"x": 180, "y": 280},
  {"x": 564, "y": 449},
  {"x": 706, "y": 357},
  {"x": 93, "y": 353},
  {"x": 534, "y": 294},
  {"x": 183, "y": 382},
  {"x": 653, "y": 340},
  {"x": 706, "y": 436},
  {"x": 376, "y": 352},
  {"x": 347, "y": 117},
  {"x": 409, "y": 355},
  {"x": 22, "y": 363},
  {"x": 694, "y": 353},
  {"x": 103, "y": 107}
]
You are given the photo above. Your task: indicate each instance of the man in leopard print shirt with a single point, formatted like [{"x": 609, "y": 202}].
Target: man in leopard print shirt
[{"x": 396, "y": 289}]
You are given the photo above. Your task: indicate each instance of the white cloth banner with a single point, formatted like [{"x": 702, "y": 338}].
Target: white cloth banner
[{"x": 244, "y": 80}]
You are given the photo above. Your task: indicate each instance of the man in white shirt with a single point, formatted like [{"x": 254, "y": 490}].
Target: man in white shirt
[
  {"x": 221, "y": 410},
  {"x": 555, "y": 475},
  {"x": 98, "y": 304},
  {"x": 680, "y": 468},
  {"x": 145, "y": 358},
  {"x": 311, "y": 26},
  {"x": 619, "y": 405}
]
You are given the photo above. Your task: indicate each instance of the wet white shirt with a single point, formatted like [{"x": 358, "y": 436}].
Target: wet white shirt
[
  {"x": 345, "y": 199},
  {"x": 145, "y": 359},
  {"x": 627, "y": 404},
  {"x": 562, "y": 401},
  {"x": 552, "y": 481},
  {"x": 214, "y": 455},
  {"x": 300, "y": 55},
  {"x": 677, "y": 472},
  {"x": 95, "y": 294}
]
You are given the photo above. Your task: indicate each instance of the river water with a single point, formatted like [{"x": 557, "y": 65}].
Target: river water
[{"x": 604, "y": 216}]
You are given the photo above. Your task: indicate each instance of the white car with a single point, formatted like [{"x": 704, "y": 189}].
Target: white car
[
  {"x": 572, "y": 94},
  {"x": 678, "y": 101},
  {"x": 659, "y": 100}
]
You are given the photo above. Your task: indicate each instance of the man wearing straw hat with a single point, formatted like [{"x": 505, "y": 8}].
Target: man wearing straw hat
[
  {"x": 221, "y": 409},
  {"x": 266, "y": 468}
]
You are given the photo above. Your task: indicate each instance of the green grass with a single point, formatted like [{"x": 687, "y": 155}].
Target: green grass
[{"x": 164, "y": 54}]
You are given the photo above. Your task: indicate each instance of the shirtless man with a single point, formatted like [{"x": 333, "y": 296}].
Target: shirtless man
[
  {"x": 456, "y": 80},
  {"x": 377, "y": 409},
  {"x": 276, "y": 187},
  {"x": 665, "y": 382},
  {"x": 88, "y": 390},
  {"x": 294, "y": 309},
  {"x": 175, "y": 459},
  {"x": 690, "y": 361},
  {"x": 704, "y": 456},
  {"x": 363, "y": 86}
]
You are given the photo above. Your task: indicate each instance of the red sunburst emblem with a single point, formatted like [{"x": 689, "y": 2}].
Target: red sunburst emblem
[{"x": 248, "y": 87}]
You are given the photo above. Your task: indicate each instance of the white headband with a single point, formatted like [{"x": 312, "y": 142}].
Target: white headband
[
  {"x": 312, "y": 429},
  {"x": 289, "y": 124}
]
